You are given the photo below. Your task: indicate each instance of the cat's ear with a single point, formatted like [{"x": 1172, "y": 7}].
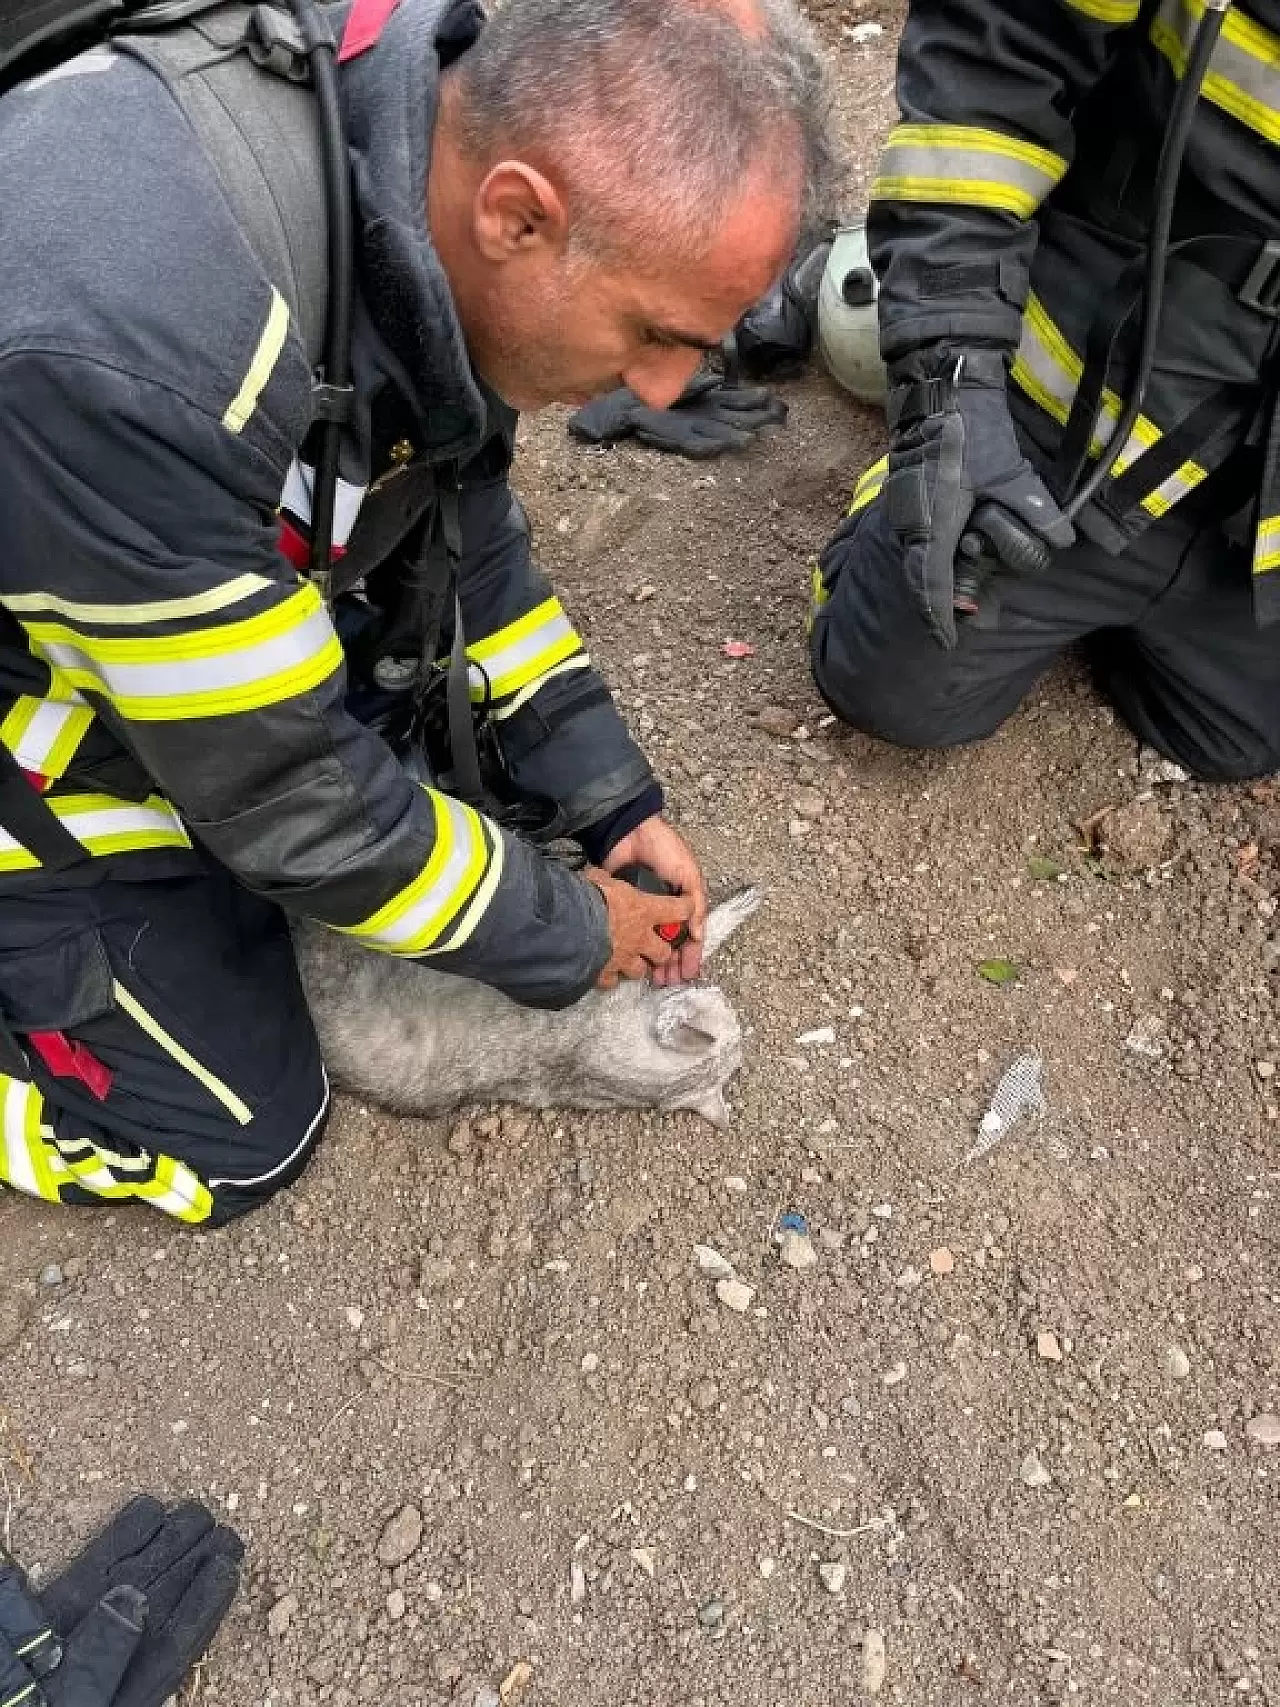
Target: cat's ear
[
  {"x": 710, "y": 1104},
  {"x": 723, "y": 920},
  {"x": 696, "y": 1020}
]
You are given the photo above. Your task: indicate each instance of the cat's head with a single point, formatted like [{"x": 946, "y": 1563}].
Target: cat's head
[{"x": 667, "y": 1049}]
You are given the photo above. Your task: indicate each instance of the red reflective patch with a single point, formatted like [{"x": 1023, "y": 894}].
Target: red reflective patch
[{"x": 67, "y": 1059}]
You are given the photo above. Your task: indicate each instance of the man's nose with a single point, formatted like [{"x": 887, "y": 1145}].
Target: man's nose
[{"x": 659, "y": 376}]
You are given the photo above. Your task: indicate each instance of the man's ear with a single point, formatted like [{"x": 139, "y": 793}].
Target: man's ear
[{"x": 516, "y": 211}]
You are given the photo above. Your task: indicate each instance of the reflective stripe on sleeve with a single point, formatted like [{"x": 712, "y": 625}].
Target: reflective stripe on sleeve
[
  {"x": 465, "y": 854},
  {"x": 1244, "y": 71},
  {"x": 265, "y": 356},
  {"x": 210, "y": 672},
  {"x": 518, "y": 658},
  {"x": 968, "y": 165}
]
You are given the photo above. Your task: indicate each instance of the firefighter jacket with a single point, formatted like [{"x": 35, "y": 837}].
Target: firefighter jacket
[
  {"x": 1010, "y": 211},
  {"x": 168, "y": 679}
]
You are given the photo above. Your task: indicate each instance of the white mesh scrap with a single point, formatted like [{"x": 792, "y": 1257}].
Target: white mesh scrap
[{"x": 1018, "y": 1094}]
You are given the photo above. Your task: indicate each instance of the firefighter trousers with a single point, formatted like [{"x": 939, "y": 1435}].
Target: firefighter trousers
[
  {"x": 1168, "y": 628},
  {"x": 156, "y": 1047}
]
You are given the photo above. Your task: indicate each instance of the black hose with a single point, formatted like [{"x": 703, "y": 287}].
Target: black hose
[
  {"x": 336, "y": 376},
  {"x": 1168, "y": 176}
]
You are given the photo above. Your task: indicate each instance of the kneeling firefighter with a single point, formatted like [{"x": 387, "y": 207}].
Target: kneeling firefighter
[
  {"x": 1075, "y": 232},
  {"x": 272, "y": 284}
]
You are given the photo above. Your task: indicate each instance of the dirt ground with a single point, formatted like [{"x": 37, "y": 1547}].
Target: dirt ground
[{"x": 1014, "y": 1392}]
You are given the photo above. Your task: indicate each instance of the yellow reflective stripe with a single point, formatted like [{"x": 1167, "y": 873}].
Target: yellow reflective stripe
[
  {"x": 212, "y": 672},
  {"x": 103, "y": 825},
  {"x": 22, "y": 1158},
  {"x": 412, "y": 921},
  {"x": 1266, "y": 545},
  {"x": 43, "y": 734},
  {"x": 522, "y": 651},
  {"x": 1244, "y": 72},
  {"x": 24, "y": 1694},
  {"x": 818, "y": 588},
  {"x": 177, "y": 1191},
  {"x": 231, "y": 592},
  {"x": 1048, "y": 370},
  {"x": 261, "y": 367},
  {"x": 509, "y": 707},
  {"x": 966, "y": 164},
  {"x": 214, "y": 1085},
  {"x": 869, "y": 486},
  {"x": 484, "y": 894},
  {"x": 1108, "y": 11}
]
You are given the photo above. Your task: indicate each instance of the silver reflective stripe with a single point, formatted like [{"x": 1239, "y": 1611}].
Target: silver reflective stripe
[
  {"x": 966, "y": 164},
  {"x": 509, "y": 667},
  {"x": 1244, "y": 72}
]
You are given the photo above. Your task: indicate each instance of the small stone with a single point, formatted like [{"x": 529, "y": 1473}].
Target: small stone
[
  {"x": 832, "y": 1239},
  {"x": 461, "y": 1139},
  {"x": 712, "y": 1263},
  {"x": 1215, "y": 1440},
  {"x": 590, "y": 1362},
  {"x": 942, "y": 1261},
  {"x": 909, "y": 1279},
  {"x": 1135, "y": 837},
  {"x": 808, "y": 803},
  {"x": 1033, "y": 1472},
  {"x": 51, "y": 1275},
  {"x": 1265, "y": 1069},
  {"x": 895, "y": 1376},
  {"x": 861, "y": 34},
  {"x": 776, "y": 720},
  {"x": 486, "y": 1696},
  {"x": 833, "y": 1573},
  {"x": 690, "y": 1484},
  {"x": 736, "y": 1184},
  {"x": 281, "y": 1616},
  {"x": 1177, "y": 1365},
  {"x": 711, "y": 1614},
  {"x": 434, "y": 1592},
  {"x": 875, "y": 1662},
  {"x": 706, "y": 1396},
  {"x": 644, "y": 1560},
  {"x": 577, "y": 1583},
  {"x": 811, "y": 1176},
  {"x": 401, "y": 1538},
  {"x": 767, "y": 1568},
  {"x": 817, "y": 1038},
  {"x": 355, "y": 1317},
  {"x": 1047, "y": 1346},
  {"x": 796, "y": 1250},
  {"x": 585, "y": 1169},
  {"x": 735, "y": 1295},
  {"x": 396, "y": 1605},
  {"x": 1148, "y": 1037},
  {"x": 1263, "y": 1430}
]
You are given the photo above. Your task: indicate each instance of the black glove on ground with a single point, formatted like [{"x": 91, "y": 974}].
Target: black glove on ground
[
  {"x": 708, "y": 418},
  {"x": 131, "y": 1615},
  {"x": 953, "y": 448}
]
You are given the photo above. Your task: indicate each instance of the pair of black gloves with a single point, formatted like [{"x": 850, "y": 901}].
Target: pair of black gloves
[{"x": 125, "y": 1622}]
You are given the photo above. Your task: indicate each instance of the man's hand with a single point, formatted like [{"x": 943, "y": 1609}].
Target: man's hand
[
  {"x": 634, "y": 918},
  {"x": 664, "y": 850}
]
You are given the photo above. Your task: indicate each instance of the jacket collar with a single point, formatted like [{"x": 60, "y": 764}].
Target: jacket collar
[{"x": 407, "y": 329}]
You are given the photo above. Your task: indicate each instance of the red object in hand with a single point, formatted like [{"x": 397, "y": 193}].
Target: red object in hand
[{"x": 644, "y": 878}]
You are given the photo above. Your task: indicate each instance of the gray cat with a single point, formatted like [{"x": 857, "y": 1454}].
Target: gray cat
[{"x": 420, "y": 1041}]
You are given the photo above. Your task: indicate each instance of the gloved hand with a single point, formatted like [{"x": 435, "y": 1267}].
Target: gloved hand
[
  {"x": 707, "y": 419},
  {"x": 954, "y": 448},
  {"x": 145, "y": 1598}
]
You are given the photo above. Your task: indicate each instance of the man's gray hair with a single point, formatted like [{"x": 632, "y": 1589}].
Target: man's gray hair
[{"x": 685, "y": 100}]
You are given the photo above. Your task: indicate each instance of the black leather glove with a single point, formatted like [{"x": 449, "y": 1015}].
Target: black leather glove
[
  {"x": 125, "y": 1622},
  {"x": 706, "y": 420},
  {"x": 954, "y": 450},
  {"x": 775, "y": 335}
]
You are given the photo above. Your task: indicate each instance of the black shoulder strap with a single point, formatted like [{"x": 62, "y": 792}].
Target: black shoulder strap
[{"x": 239, "y": 72}]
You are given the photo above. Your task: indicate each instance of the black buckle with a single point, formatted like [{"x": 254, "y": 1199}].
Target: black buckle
[{"x": 1261, "y": 290}]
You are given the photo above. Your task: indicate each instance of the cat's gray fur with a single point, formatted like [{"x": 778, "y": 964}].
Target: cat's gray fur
[{"x": 420, "y": 1041}]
